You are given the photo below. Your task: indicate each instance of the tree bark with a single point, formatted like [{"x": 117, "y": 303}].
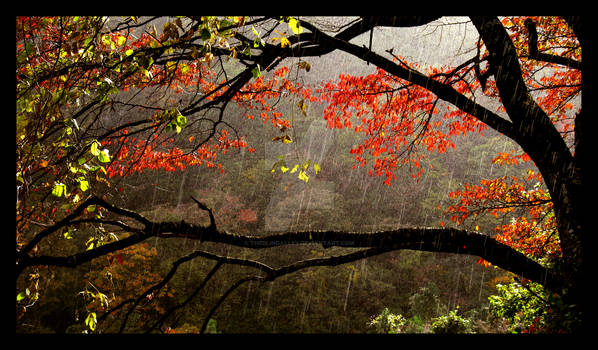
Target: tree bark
[
  {"x": 542, "y": 142},
  {"x": 445, "y": 240}
]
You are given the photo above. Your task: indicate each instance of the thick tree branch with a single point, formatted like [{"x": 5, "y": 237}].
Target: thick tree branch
[
  {"x": 537, "y": 136},
  {"x": 443, "y": 91},
  {"x": 445, "y": 240}
]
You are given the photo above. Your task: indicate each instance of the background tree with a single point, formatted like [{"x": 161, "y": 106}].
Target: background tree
[{"x": 101, "y": 100}]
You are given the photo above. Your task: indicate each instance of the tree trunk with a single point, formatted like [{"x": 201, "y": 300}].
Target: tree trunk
[{"x": 543, "y": 143}]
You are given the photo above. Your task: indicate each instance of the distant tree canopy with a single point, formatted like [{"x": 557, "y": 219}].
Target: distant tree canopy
[{"x": 102, "y": 98}]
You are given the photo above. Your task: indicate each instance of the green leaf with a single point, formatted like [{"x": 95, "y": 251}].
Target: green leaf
[
  {"x": 181, "y": 120},
  {"x": 255, "y": 32},
  {"x": 104, "y": 157},
  {"x": 294, "y": 168},
  {"x": 256, "y": 72},
  {"x": 184, "y": 68},
  {"x": 20, "y": 296},
  {"x": 284, "y": 169},
  {"x": 94, "y": 148},
  {"x": 59, "y": 190},
  {"x": 83, "y": 184}
]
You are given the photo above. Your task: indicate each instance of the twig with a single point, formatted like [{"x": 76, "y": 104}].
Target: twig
[{"x": 203, "y": 207}]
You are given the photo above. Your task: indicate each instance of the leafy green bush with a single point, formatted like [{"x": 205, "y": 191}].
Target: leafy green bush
[
  {"x": 388, "y": 323},
  {"x": 532, "y": 309},
  {"x": 451, "y": 323}
]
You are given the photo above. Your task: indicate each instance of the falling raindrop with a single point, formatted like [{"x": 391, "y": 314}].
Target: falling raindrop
[
  {"x": 470, "y": 277},
  {"x": 247, "y": 297},
  {"x": 481, "y": 286},
  {"x": 268, "y": 298},
  {"x": 348, "y": 290},
  {"x": 181, "y": 190},
  {"x": 304, "y": 311},
  {"x": 363, "y": 268}
]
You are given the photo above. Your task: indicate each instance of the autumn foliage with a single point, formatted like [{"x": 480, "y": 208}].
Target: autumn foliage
[{"x": 80, "y": 126}]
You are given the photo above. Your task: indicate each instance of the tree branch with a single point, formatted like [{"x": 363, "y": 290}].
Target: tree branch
[
  {"x": 540, "y": 56},
  {"x": 445, "y": 240},
  {"x": 443, "y": 91}
]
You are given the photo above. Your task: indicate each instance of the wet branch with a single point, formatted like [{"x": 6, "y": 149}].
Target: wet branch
[
  {"x": 273, "y": 274},
  {"x": 433, "y": 239},
  {"x": 443, "y": 91}
]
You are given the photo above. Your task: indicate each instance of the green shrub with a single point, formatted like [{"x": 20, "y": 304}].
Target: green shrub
[
  {"x": 451, "y": 323},
  {"x": 388, "y": 323}
]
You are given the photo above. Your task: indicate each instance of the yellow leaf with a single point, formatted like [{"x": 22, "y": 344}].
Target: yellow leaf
[
  {"x": 284, "y": 42},
  {"x": 302, "y": 107},
  {"x": 303, "y": 176},
  {"x": 294, "y": 25}
]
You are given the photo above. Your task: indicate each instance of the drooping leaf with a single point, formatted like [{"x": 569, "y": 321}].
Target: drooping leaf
[
  {"x": 91, "y": 321},
  {"x": 302, "y": 107},
  {"x": 295, "y": 26},
  {"x": 256, "y": 72},
  {"x": 94, "y": 148}
]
